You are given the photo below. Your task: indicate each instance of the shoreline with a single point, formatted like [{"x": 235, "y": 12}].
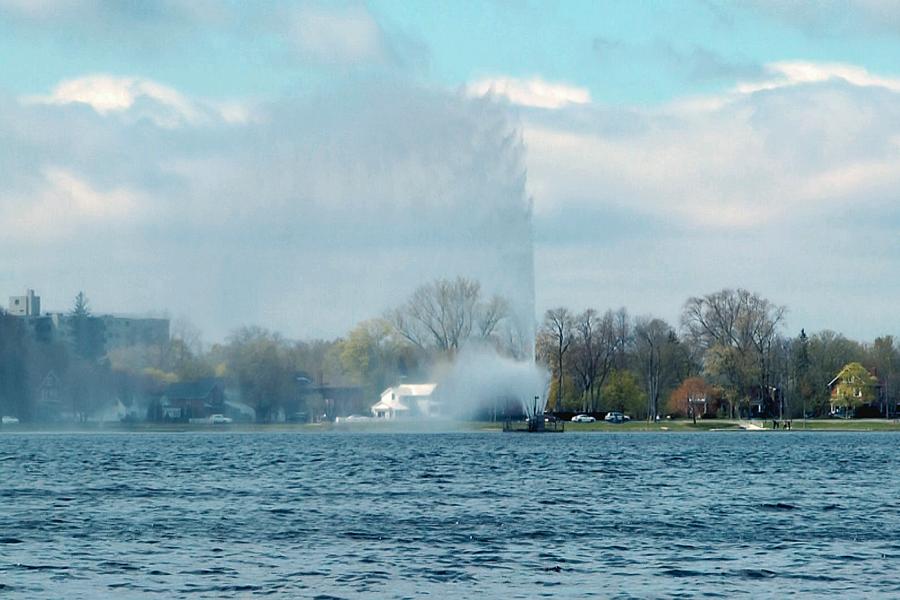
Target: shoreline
[{"x": 447, "y": 426}]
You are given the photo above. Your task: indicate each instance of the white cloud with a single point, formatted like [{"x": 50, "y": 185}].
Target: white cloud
[
  {"x": 738, "y": 161},
  {"x": 63, "y": 202},
  {"x": 788, "y": 73},
  {"x": 163, "y": 105},
  {"x": 534, "y": 92},
  {"x": 785, "y": 74},
  {"x": 709, "y": 181},
  {"x": 775, "y": 186},
  {"x": 75, "y": 197},
  {"x": 237, "y": 113},
  {"x": 321, "y": 212}
]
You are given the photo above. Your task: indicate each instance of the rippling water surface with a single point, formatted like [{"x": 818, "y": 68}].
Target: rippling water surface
[{"x": 449, "y": 515}]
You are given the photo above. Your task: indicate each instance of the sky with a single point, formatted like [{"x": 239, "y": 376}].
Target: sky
[{"x": 305, "y": 165}]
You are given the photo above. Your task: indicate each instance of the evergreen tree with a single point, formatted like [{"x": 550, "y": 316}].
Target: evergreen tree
[
  {"x": 81, "y": 310},
  {"x": 87, "y": 331}
]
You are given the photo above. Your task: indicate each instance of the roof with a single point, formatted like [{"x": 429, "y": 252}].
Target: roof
[
  {"x": 189, "y": 390},
  {"x": 415, "y": 389},
  {"x": 51, "y": 379},
  {"x": 875, "y": 383},
  {"x": 392, "y": 398}
]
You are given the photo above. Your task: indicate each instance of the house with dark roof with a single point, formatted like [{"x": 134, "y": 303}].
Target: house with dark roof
[{"x": 188, "y": 400}]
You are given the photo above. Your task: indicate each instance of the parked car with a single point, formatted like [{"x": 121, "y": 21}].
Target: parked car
[
  {"x": 583, "y": 419},
  {"x": 353, "y": 419},
  {"x": 616, "y": 417},
  {"x": 219, "y": 419},
  {"x": 10, "y": 421}
]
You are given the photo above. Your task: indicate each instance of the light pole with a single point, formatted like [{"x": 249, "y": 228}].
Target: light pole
[{"x": 785, "y": 383}]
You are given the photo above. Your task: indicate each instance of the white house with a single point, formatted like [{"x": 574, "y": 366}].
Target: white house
[{"x": 408, "y": 400}]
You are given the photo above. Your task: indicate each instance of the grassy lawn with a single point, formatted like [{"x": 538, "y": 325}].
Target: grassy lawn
[
  {"x": 847, "y": 425},
  {"x": 708, "y": 424}
]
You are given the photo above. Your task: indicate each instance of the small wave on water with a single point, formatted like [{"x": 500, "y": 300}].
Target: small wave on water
[
  {"x": 777, "y": 506},
  {"x": 448, "y": 515}
]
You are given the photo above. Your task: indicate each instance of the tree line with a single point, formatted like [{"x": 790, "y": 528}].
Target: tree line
[
  {"x": 263, "y": 369},
  {"x": 28, "y": 357},
  {"x": 729, "y": 347}
]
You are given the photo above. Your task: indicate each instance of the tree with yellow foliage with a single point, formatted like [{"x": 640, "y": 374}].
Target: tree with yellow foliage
[{"x": 853, "y": 387}]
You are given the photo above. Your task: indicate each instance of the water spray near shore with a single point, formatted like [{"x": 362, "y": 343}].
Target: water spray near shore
[{"x": 481, "y": 382}]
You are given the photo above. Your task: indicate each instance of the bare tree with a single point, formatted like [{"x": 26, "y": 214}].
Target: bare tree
[
  {"x": 738, "y": 331},
  {"x": 610, "y": 348},
  {"x": 622, "y": 337},
  {"x": 593, "y": 354},
  {"x": 660, "y": 357},
  {"x": 587, "y": 356},
  {"x": 490, "y": 315},
  {"x": 554, "y": 339},
  {"x": 599, "y": 346},
  {"x": 444, "y": 314}
]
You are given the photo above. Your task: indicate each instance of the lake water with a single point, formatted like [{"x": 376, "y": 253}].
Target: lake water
[{"x": 706, "y": 515}]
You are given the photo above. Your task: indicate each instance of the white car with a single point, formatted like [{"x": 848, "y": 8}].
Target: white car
[
  {"x": 219, "y": 419},
  {"x": 9, "y": 421},
  {"x": 583, "y": 419},
  {"x": 353, "y": 419}
]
